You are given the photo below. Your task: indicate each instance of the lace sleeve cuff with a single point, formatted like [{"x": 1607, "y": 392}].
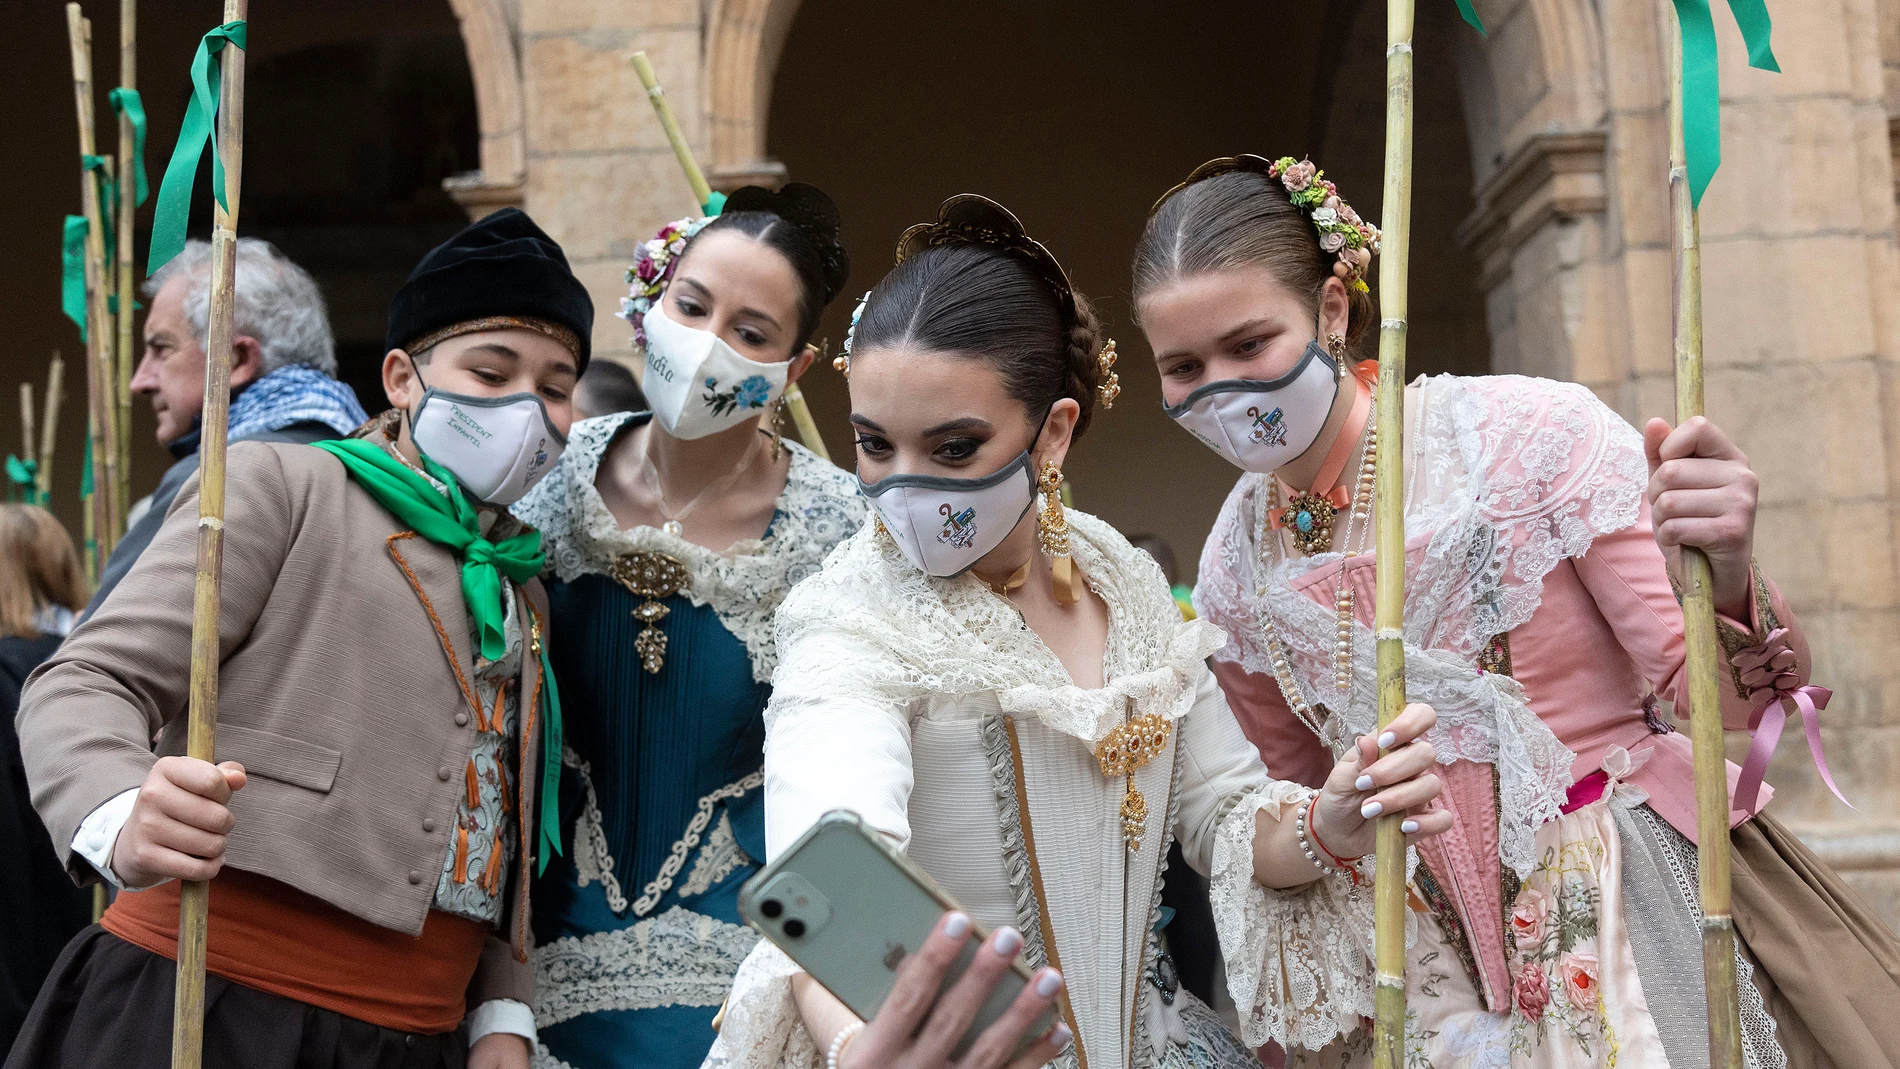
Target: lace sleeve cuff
[
  {"x": 760, "y": 1027},
  {"x": 1299, "y": 961}
]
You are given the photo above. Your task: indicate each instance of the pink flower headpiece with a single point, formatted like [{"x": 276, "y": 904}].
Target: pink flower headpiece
[
  {"x": 1352, "y": 240},
  {"x": 652, "y": 269},
  {"x": 1341, "y": 231}
]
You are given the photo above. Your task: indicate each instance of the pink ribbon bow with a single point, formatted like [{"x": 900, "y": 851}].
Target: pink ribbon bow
[{"x": 1770, "y": 666}]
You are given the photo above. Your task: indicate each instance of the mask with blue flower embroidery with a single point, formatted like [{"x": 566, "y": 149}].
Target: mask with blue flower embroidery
[{"x": 697, "y": 384}]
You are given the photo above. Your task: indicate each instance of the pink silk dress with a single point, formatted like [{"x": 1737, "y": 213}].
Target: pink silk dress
[{"x": 1603, "y": 642}]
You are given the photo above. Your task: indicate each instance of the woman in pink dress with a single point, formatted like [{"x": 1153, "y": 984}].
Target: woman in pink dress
[{"x": 1557, "y": 923}]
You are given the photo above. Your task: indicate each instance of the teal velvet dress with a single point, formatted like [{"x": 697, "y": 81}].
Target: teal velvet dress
[{"x": 636, "y": 924}]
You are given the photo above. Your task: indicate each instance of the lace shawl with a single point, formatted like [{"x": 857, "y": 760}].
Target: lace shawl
[
  {"x": 819, "y": 507},
  {"x": 1506, "y": 476},
  {"x": 933, "y": 637}
]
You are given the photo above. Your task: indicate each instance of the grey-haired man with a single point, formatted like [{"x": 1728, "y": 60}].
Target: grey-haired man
[{"x": 283, "y": 372}]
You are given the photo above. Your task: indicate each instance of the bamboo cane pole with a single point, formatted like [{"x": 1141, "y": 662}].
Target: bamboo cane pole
[
  {"x": 28, "y": 441},
  {"x": 1698, "y": 625},
  {"x": 200, "y": 736},
  {"x": 49, "y": 425},
  {"x": 702, "y": 193},
  {"x": 128, "y": 211},
  {"x": 1389, "y": 892},
  {"x": 100, "y": 374}
]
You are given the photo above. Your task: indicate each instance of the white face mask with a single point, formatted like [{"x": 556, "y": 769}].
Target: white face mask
[
  {"x": 946, "y": 525},
  {"x": 697, "y": 384},
  {"x": 1263, "y": 424},
  {"x": 496, "y": 447}
]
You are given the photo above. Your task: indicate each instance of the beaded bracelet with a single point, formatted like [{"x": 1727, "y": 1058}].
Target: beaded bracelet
[
  {"x": 1299, "y": 827},
  {"x": 844, "y": 1036},
  {"x": 1309, "y": 839}
]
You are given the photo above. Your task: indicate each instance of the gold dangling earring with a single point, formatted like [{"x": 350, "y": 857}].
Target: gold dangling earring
[
  {"x": 1052, "y": 531},
  {"x": 1336, "y": 347},
  {"x": 773, "y": 428}
]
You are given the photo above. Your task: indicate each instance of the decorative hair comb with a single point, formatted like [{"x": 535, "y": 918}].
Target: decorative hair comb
[
  {"x": 1352, "y": 240},
  {"x": 969, "y": 219}
]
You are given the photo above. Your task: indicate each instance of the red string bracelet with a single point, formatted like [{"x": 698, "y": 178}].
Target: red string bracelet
[{"x": 1312, "y": 828}]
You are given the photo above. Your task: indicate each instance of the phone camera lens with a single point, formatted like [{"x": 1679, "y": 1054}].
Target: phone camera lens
[
  {"x": 794, "y": 928},
  {"x": 772, "y": 907}
]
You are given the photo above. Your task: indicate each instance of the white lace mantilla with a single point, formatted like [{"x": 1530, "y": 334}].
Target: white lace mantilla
[
  {"x": 1505, "y": 477},
  {"x": 819, "y": 508},
  {"x": 935, "y": 637},
  {"x": 679, "y": 958}
]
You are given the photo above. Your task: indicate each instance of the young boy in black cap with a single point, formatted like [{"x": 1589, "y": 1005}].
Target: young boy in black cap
[{"x": 385, "y": 730}]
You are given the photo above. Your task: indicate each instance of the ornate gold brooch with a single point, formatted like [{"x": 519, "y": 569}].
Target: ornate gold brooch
[
  {"x": 1310, "y": 518},
  {"x": 1131, "y": 745},
  {"x": 655, "y": 577}
]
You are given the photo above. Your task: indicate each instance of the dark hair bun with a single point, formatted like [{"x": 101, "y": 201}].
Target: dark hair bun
[
  {"x": 815, "y": 215},
  {"x": 1084, "y": 377}
]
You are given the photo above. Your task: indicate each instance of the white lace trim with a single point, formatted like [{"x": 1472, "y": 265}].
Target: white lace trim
[
  {"x": 935, "y": 637},
  {"x": 679, "y": 958},
  {"x": 819, "y": 508},
  {"x": 762, "y": 1028},
  {"x": 1299, "y": 961},
  {"x": 1506, "y": 477},
  {"x": 719, "y": 858}
]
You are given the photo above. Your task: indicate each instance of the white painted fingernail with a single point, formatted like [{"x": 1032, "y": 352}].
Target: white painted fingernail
[
  {"x": 1062, "y": 1036},
  {"x": 1363, "y": 783},
  {"x": 1371, "y": 809},
  {"x": 1007, "y": 942},
  {"x": 1048, "y": 983},
  {"x": 957, "y": 926},
  {"x": 1408, "y": 826},
  {"x": 1386, "y": 740}
]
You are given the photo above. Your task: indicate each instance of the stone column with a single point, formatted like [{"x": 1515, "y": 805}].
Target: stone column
[{"x": 600, "y": 175}]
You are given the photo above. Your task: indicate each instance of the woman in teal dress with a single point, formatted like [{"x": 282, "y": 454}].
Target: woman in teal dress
[{"x": 672, "y": 537}]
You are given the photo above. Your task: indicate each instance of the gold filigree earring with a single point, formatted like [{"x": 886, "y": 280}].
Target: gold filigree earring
[
  {"x": 1111, "y": 386},
  {"x": 1336, "y": 347},
  {"x": 774, "y": 427},
  {"x": 1052, "y": 532}
]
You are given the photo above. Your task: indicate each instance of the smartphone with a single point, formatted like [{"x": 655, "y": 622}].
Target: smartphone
[{"x": 849, "y": 909}]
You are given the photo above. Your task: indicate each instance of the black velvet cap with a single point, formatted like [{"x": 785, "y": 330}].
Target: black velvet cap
[{"x": 499, "y": 266}]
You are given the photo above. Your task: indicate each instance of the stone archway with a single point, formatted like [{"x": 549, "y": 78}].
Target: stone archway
[
  {"x": 489, "y": 36},
  {"x": 743, "y": 43}
]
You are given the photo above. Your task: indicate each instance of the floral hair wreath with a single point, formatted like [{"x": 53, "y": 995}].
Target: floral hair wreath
[
  {"x": 653, "y": 268},
  {"x": 1352, "y": 240},
  {"x": 972, "y": 219}
]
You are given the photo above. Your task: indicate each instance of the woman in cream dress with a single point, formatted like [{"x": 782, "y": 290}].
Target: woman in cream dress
[{"x": 1013, "y": 698}]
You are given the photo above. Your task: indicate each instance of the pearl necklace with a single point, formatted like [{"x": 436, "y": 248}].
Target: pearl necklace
[
  {"x": 1353, "y": 542},
  {"x": 650, "y": 472}
]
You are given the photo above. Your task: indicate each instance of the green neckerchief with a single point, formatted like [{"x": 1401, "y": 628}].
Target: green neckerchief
[{"x": 450, "y": 521}]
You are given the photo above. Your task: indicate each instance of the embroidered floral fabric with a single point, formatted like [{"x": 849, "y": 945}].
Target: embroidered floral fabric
[
  {"x": 1505, "y": 477},
  {"x": 819, "y": 507}
]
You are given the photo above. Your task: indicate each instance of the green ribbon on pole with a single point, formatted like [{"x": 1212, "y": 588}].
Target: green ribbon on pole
[
  {"x": 20, "y": 475},
  {"x": 72, "y": 282},
  {"x": 108, "y": 194},
  {"x": 85, "y": 472},
  {"x": 1701, "y": 87},
  {"x": 128, "y": 103},
  {"x": 173, "y": 214},
  {"x": 1471, "y": 15},
  {"x": 714, "y": 204}
]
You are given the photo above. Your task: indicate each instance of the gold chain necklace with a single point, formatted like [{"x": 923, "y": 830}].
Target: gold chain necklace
[{"x": 651, "y": 473}]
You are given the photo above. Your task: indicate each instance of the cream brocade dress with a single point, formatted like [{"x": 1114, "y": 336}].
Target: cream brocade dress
[{"x": 895, "y": 698}]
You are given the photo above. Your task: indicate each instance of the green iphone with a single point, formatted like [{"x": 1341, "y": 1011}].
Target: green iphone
[{"x": 849, "y": 909}]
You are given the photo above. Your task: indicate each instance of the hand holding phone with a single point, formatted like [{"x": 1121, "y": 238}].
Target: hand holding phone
[
  {"x": 893, "y": 949},
  {"x": 918, "y": 1027}
]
